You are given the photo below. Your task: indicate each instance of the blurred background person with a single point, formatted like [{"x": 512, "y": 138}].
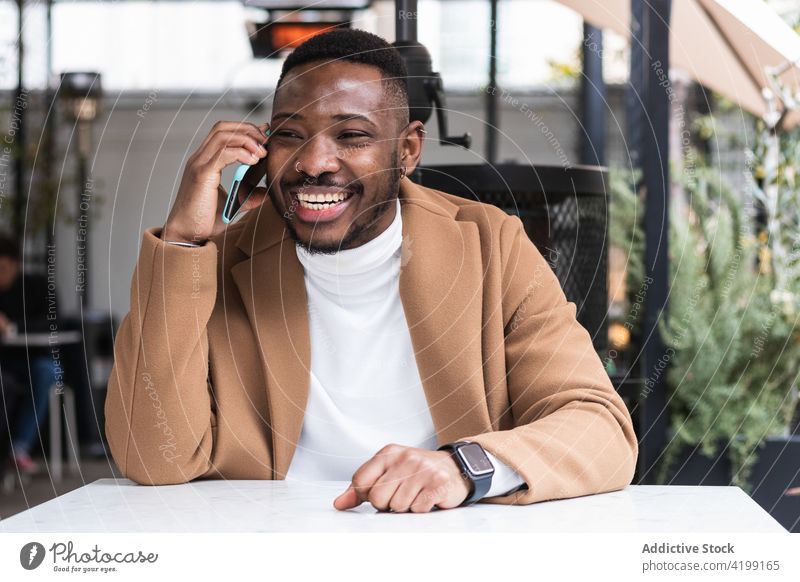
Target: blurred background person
[{"x": 23, "y": 309}]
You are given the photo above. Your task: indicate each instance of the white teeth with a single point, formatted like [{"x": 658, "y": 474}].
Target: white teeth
[
  {"x": 317, "y": 206},
  {"x": 321, "y": 201},
  {"x": 320, "y": 198}
]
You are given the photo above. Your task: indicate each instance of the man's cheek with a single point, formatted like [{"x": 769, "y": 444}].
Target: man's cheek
[{"x": 272, "y": 172}]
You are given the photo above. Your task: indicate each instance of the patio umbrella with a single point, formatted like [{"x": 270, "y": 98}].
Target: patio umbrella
[{"x": 738, "y": 48}]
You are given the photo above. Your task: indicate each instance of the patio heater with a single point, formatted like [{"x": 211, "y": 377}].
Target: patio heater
[
  {"x": 80, "y": 94},
  {"x": 290, "y": 23}
]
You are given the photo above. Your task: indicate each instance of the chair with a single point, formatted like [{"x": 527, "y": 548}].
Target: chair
[
  {"x": 59, "y": 394},
  {"x": 9, "y": 395}
]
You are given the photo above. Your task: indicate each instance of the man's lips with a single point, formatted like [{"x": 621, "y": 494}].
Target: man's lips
[
  {"x": 319, "y": 203},
  {"x": 319, "y": 189}
]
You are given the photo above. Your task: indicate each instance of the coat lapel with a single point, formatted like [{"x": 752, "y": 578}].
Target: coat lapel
[
  {"x": 441, "y": 292},
  {"x": 273, "y": 290},
  {"x": 441, "y": 289}
]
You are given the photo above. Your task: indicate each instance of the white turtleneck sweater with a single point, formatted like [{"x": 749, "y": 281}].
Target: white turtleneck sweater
[{"x": 365, "y": 390}]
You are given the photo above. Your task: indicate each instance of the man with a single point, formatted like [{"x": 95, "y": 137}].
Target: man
[
  {"x": 23, "y": 306},
  {"x": 352, "y": 322}
]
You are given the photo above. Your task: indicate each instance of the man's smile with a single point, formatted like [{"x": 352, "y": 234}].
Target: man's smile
[{"x": 319, "y": 203}]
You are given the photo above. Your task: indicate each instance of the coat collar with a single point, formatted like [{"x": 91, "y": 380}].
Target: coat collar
[{"x": 441, "y": 292}]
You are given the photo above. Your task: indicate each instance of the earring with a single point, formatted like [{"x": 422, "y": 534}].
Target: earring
[{"x": 297, "y": 166}]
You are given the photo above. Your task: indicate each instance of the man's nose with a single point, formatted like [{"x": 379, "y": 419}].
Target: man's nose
[{"x": 317, "y": 156}]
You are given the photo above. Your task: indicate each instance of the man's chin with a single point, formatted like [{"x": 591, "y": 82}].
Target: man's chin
[
  {"x": 316, "y": 246},
  {"x": 316, "y": 249}
]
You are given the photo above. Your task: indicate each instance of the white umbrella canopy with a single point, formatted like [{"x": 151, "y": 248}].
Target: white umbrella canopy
[{"x": 729, "y": 46}]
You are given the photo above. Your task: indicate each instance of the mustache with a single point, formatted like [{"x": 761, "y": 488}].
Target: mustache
[{"x": 326, "y": 181}]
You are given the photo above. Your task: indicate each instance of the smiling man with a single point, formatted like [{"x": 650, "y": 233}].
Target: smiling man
[{"x": 353, "y": 325}]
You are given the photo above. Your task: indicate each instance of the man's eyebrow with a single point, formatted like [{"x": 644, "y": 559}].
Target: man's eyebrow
[
  {"x": 337, "y": 117},
  {"x": 287, "y": 115},
  {"x": 354, "y": 117}
]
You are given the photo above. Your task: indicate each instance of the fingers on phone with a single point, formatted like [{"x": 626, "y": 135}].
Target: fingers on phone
[
  {"x": 248, "y": 135},
  {"x": 255, "y": 149},
  {"x": 230, "y": 142},
  {"x": 250, "y": 157},
  {"x": 229, "y": 155}
]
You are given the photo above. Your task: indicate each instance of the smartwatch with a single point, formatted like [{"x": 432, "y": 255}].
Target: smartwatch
[{"x": 476, "y": 467}]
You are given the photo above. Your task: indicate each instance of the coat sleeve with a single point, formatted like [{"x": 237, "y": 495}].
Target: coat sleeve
[
  {"x": 572, "y": 434},
  {"x": 159, "y": 418}
]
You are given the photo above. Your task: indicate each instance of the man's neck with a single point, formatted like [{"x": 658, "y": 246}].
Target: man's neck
[{"x": 380, "y": 225}]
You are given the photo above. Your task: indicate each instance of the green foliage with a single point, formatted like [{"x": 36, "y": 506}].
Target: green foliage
[
  {"x": 776, "y": 186},
  {"x": 625, "y": 230},
  {"x": 733, "y": 347},
  {"x": 733, "y": 338}
]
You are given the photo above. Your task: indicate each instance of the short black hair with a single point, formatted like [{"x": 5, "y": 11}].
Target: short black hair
[
  {"x": 358, "y": 46},
  {"x": 9, "y": 248}
]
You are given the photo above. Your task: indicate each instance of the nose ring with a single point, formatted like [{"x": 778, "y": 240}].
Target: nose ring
[{"x": 297, "y": 166}]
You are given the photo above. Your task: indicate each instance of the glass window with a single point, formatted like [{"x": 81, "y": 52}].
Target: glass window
[{"x": 203, "y": 46}]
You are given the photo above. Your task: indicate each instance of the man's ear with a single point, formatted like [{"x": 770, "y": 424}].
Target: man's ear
[{"x": 411, "y": 140}]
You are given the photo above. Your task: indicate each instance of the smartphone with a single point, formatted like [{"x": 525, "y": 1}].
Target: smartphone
[{"x": 245, "y": 178}]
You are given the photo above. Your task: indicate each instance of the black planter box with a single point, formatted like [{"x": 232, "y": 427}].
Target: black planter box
[{"x": 777, "y": 470}]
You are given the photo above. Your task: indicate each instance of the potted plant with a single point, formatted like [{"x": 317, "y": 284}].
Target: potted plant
[{"x": 732, "y": 336}]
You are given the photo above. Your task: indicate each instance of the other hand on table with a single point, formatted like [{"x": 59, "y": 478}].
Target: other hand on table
[{"x": 406, "y": 479}]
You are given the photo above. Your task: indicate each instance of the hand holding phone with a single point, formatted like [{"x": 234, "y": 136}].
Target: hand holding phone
[
  {"x": 245, "y": 180},
  {"x": 195, "y": 215}
]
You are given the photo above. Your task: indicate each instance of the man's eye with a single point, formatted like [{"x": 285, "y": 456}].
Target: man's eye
[
  {"x": 286, "y": 134},
  {"x": 352, "y": 135}
]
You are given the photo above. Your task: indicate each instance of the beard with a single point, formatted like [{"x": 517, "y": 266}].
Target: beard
[{"x": 362, "y": 226}]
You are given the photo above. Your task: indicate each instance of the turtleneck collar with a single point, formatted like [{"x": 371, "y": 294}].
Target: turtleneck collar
[{"x": 359, "y": 260}]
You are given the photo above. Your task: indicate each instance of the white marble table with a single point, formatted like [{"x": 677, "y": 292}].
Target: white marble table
[{"x": 110, "y": 505}]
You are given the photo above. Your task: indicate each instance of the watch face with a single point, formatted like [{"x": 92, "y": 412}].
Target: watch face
[{"x": 476, "y": 459}]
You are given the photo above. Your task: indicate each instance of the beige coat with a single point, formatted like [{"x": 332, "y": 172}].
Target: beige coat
[{"x": 211, "y": 372}]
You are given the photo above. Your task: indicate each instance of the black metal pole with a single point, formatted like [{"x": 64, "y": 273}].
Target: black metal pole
[
  {"x": 405, "y": 23},
  {"x": 83, "y": 266},
  {"x": 50, "y": 135},
  {"x": 593, "y": 147},
  {"x": 18, "y": 108},
  {"x": 635, "y": 95},
  {"x": 593, "y": 98},
  {"x": 492, "y": 108},
  {"x": 656, "y": 217}
]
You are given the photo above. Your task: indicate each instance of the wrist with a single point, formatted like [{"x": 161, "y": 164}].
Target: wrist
[
  {"x": 475, "y": 468},
  {"x": 468, "y": 483},
  {"x": 170, "y": 233}
]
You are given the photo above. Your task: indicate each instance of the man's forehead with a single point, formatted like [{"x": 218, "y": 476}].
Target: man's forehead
[{"x": 332, "y": 88}]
